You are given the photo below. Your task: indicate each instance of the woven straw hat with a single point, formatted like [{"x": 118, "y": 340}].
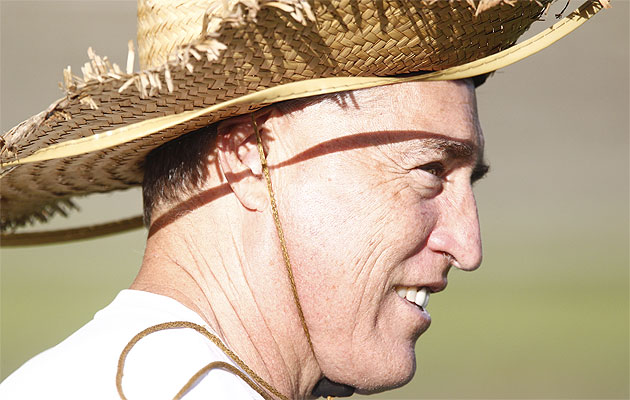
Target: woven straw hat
[{"x": 205, "y": 60}]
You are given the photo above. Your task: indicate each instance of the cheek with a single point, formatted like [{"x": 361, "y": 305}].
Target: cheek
[
  {"x": 348, "y": 239},
  {"x": 349, "y": 233},
  {"x": 333, "y": 219},
  {"x": 344, "y": 216}
]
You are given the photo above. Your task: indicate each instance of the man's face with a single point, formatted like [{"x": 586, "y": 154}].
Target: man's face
[{"x": 375, "y": 195}]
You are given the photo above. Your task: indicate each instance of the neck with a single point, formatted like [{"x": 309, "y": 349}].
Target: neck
[{"x": 232, "y": 295}]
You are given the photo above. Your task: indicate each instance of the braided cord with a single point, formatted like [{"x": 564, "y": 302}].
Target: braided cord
[
  {"x": 283, "y": 244},
  {"x": 226, "y": 366},
  {"x": 212, "y": 365}
]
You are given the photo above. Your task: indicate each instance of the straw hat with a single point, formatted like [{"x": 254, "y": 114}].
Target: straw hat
[{"x": 206, "y": 60}]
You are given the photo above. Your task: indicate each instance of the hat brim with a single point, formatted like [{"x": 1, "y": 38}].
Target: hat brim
[{"x": 114, "y": 145}]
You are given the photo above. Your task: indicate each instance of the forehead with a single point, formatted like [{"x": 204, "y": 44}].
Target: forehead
[{"x": 444, "y": 109}]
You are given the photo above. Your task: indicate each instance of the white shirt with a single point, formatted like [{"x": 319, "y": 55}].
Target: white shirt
[{"x": 84, "y": 365}]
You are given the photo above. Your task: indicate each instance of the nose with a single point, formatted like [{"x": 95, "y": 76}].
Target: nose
[{"x": 456, "y": 232}]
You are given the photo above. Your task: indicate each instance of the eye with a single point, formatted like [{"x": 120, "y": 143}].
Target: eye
[{"x": 434, "y": 168}]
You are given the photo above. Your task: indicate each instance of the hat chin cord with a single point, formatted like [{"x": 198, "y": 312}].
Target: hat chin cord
[{"x": 324, "y": 387}]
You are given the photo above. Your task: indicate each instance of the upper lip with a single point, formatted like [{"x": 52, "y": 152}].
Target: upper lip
[{"x": 434, "y": 287}]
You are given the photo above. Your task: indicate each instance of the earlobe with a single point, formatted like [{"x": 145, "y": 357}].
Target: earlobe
[{"x": 239, "y": 161}]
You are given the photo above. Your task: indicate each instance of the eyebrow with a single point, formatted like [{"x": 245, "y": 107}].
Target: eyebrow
[
  {"x": 458, "y": 150},
  {"x": 451, "y": 148}
]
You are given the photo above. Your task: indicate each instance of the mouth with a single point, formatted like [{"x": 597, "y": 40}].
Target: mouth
[{"x": 419, "y": 296}]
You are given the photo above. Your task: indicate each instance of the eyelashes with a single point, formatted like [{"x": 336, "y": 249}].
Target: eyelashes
[
  {"x": 429, "y": 181},
  {"x": 479, "y": 172},
  {"x": 434, "y": 168},
  {"x": 438, "y": 170}
]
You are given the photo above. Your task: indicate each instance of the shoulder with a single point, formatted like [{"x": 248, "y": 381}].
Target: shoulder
[
  {"x": 164, "y": 361},
  {"x": 158, "y": 366}
]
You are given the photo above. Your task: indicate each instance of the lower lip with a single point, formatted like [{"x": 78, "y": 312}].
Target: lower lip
[{"x": 424, "y": 316}]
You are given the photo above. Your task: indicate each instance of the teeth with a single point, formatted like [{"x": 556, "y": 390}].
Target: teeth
[
  {"x": 422, "y": 298},
  {"x": 411, "y": 294},
  {"x": 419, "y": 296}
]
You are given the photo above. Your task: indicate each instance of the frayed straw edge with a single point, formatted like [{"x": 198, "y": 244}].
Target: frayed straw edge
[
  {"x": 88, "y": 101},
  {"x": 9, "y": 141},
  {"x": 148, "y": 83},
  {"x": 63, "y": 207}
]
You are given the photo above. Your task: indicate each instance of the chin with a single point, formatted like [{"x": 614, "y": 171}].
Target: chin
[{"x": 393, "y": 377}]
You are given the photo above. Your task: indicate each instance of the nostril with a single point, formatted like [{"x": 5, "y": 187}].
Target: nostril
[
  {"x": 452, "y": 262},
  {"x": 459, "y": 248}
]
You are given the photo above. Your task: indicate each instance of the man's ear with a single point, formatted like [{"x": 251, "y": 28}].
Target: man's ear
[{"x": 239, "y": 160}]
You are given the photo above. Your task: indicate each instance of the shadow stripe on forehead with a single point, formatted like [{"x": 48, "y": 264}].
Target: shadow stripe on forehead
[{"x": 454, "y": 148}]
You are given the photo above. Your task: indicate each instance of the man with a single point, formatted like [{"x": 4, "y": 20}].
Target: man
[
  {"x": 392, "y": 176},
  {"x": 402, "y": 156},
  {"x": 390, "y": 168}
]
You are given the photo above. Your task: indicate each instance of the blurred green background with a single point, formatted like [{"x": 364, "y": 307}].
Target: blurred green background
[{"x": 547, "y": 314}]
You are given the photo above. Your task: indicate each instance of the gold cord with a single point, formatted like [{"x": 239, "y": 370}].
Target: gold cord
[
  {"x": 283, "y": 244},
  {"x": 226, "y": 366},
  {"x": 201, "y": 372}
]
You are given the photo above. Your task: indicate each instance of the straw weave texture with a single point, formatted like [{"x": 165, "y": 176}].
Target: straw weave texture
[{"x": 187, "y": 70}]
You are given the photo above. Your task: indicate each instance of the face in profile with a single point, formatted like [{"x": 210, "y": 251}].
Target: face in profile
[{"x": 375, "y": 191}]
